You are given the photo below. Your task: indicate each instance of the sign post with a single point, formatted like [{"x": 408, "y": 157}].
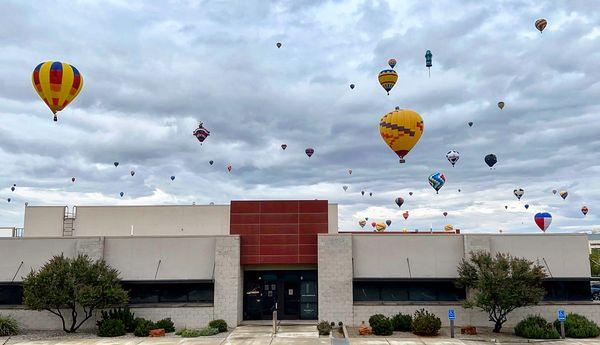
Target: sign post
[
  {"x": 562, "y": 317},
  {"x": 451, "y": 317}
]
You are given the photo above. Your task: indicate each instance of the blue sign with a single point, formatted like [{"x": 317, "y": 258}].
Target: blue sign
[
  {"x": 561, "y": 315},
  {"x": 451, "y": 314}
]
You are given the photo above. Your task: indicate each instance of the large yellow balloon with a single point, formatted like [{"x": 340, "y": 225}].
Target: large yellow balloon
[
  {"x": 57, "y": 84},
  {"x": 401, "y": 129}
]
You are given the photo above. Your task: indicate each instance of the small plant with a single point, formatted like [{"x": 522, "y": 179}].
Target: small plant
[
  {"x": 536, "y": 327},
  {"x": 166, "y": 324},
  {"x": 578, "y": 326},
  {"x": 143, "y": 327},
  {"x": 123, "y": 314},
  {"x": 401, "y": 322},
  {"x": 188, "y": 333},
  {"x": 425, "y": 323},
  {"x": 381, "y": 325},
  {"x": 324, "y": 328},
  {"x": 208, "y": 331},
  {"x": 8, "y": 326},
  {"x": 111, "y": 328},
  {"x": 219, "y": 324}
]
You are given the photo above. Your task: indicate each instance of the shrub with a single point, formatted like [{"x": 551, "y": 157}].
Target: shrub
[
  {"x": 324, "y": 328},
  {"x": 381, "y": 325},
  {"x": 219, "y": 324},
  {"x": 208, "y": 331},
  {"x": 111, "y": 328},
  {"x": 166, "y": 324},
  {"x": 536, "y": 327},
  {"x": 143, "y": 327},
  {"x": 425, "y": 323},
  {"x": 123, "y": 314},
  {"x": 188, "y": 333},
  {"x": 401, "y": 322},
  {"x": 578, "y": 326},
  {"x": 8, "y": 326}
]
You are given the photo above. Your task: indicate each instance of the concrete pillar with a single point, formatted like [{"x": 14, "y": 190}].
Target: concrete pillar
[
  {"x": 92, "y": 247},
  {"x": 228, "y": 280},
  {"x": 335, "y": 278}
]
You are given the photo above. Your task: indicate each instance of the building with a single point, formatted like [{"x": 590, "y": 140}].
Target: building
[{"x": 241, "y": 261}]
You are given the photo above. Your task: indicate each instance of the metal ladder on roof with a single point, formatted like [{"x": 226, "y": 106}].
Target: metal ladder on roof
[{"x": 69, "y": 221}]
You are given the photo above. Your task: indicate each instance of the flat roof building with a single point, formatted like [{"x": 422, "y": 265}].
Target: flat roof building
[{"x": 240, "y": 261}]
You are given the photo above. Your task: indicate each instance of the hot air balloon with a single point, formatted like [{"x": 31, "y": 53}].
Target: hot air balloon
[
  {"x": 584, "y": 210},
  {"x": 543, "y": 220},
  {"x": 437, "y": 181},
  {"x": 73, "y": 179},
  {"x": 309, "y": 152},
  {"x": 211, "y": 162},
  {"x": 278, "y": 44},
  {"x": 26, "y": 204},
  {"x": 132, "y": 172},
  {"x": 392, "y": 63},
  {"x": 490, "y": 160},
  {"x": 229, "y": 168},
  {"x": 351, "y": 86},
  {"x": 283, "y": 146},
  {"x": 201, "y": 133},
  {"x": 445, "y": 214},
  {"x": 366, "y": 218},
  {"x": 349, "y": 171},
  {"x": 362, "y": 223},
  {"x": 399, "y": 201},
  {"x": 57, "y": 84},
  {"x": 519, "y": 193},
  {"x": 172, "y": 178},
  {"x": 459, "y": 190},
  {"x": 506, "y": 207},
  {"x": 379, "y": 227},
  {"x": 563, "y": 194},
  {"x": 373, "y": 224},
  {"x": 428, "y": 63},
  {"x": 526, "y": 206},
  {"x": 116, "y": 164},
  {"x": 452, "y": 157},
  {"x": 501, "y": 105},
  {"x": 388, "y": 222},
  {"x": 370, "y": 193},
  {"x": 554, "y": 191},
  {"x": 540, "y": 24},
  {"x": 401, "y": 129},
  {"x": 121, "y": 194},
  {"x": 12, "y": 188},
  {"x": 9, "y": 199},
  {"x": 387, "y": 79},
  {"x": 362, "y": 192},
  {"x": 410, "y": 193},
  {"x": 405, "y": 215},
  {"x": 470, "y": 123},
  {"x": 345, "y": 188}
]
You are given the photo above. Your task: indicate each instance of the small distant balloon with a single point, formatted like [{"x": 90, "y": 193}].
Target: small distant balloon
[
  {"x": 349, "y": 171},
  {"x": 283, "y": 146},
  {"x": 373, "y": 224},
  {"x": 563, "y": 194},
  {"x": 388, "y": 222},
  {"x": 12, "y": 188},
  {"x": 362, "y": 192},
  {"x": 392, "y": 63},
  {"x": 352, "y": 86},
  {"x": 526, "y": 206},
  {"x": 116, "y": 164},
  {"x": 309, "y": 152},
  {"x": 362, "y": 223},
  {"x": 399, "y": 201},
  {"x": 211, "y": 162},
  {"x": 132, "y": 172},
  {"x": 366, "y": 218},
  {"x": 518, "y": 193},
  {"x": 201, "y": 133},
  {"x": 345, "y": 188},
  {"x": 452, "y": 156},
  {"x": 279, "y": 45},
  {"x": 26, "y": 204},
  {"x": 9, "y": 199},
  {"x": 540, "y": 24},
  {"x": 584, "y": 210},
  {"x": 554, "y": 191},
  {"x": 428, "y": 62},
  {"x": 73, "y": 179},
  {"x": 229, "y": 168},
  {"x": 121, "y": 194},
  {"x": 501, "y": 105},
  {"x": 387, "y": 79},
  {"x": 490, "y": 160},
  {"x": 445, "y": 214},
  {"x": 405, "y": 215},
  {"x": 172, "y": 178},
  {"x": 506, "y": 207},
  {"x": 370, "y": 193},
  {"x": 459, "y": 190},
  {"x": 410, "y": 193},
  {"x": 470, "y": 123},
  {"x": 380, "y": 227}
]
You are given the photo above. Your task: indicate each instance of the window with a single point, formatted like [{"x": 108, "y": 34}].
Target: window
[
  {"x": 567, "y": 290},
  {"x": 407, "y": 290},
  {"x": 169, "y": 292},
  {"x": 11, "y": 294}
]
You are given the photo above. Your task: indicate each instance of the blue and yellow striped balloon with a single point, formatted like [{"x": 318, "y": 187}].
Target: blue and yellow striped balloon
[{"x": 57, "y": 84}]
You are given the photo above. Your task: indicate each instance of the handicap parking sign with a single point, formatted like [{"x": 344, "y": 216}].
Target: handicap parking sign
[
  {"x": 451, "y": 314},
  {"x": 561, "y": 315}
]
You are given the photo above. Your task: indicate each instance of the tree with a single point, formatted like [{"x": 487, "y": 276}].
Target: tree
[
  {"x": 595, "y": 262},
  {"x": 499, "y": 284},
  {"x": 73, "y": 285}
]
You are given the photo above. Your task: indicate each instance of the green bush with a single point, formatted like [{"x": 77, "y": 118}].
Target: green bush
[
  {"x": 219, "y": 324},
  {"x": 536, "y": 327},
  {"x": 208, "y": 331},
  {"x": 143, "y": 327},
  {"x": 324, "y": 328},
  {"x": 123, "y": 314},
  {"x": 401, "y": 322},
  {"x": 381, "y": 325},
  {"x": 111, "y": 328},
  {"x": 578, "y": 326},
  {"x": 166, "y": 324},
  {"x": 425, "y": 323},
  {"x": 188, "y": 333},
  {"x": 8, "y": 326}
]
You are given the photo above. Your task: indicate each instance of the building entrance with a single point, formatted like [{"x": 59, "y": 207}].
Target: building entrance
[{"x": 293, "y": 293}]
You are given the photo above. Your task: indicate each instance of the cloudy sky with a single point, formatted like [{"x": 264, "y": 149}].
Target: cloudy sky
[{"x": 152, "y": 70}]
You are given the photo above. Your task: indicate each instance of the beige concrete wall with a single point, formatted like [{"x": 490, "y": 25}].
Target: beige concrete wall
[
  {"x": 385, "y": 256},
  {"x": 43, "y": 221},
  {"x": 335, "y": 278},
  {"x": 137, "y": 258},
  {"x": 564, "y": 255},
  {"x": 332, "y": 213},
  {"x": 176, "y": 220},
  {"x": 229, "y": 283}
]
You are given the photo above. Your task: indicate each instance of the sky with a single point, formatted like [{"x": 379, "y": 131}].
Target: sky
[{"x": 153, "y": 69}]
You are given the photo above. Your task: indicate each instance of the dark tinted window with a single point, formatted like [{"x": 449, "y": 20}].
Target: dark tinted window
[
  {"x": 434, "y": 290},
  {"x": 11, "y": 294},
  {"x": 169, "y": 292},
  {"x": 567, "y": 290}
]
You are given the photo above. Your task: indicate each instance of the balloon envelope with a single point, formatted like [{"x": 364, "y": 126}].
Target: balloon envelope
[
  {"x": 540, "y": 24},
  {"x": 229, "y": 168},
  {"x": 437, "y": 181},
  {"x": 563, "y": 194},
  {"x": 309, "y": 152},
  {"x": 470, "y": 124},
  {"x": 388, "y": 222},
  {"x": 491, "y": 159},
  {"x": 543, "y": 220},
  {"x": 201, "y": 133},
  {"x": 121, "y": 194},
  {"x": 584, "y": 210},
  {"x": 57, "y": 84},
  {"x": 518, "y": 193},
  {"x": 380, "y": 227},
  {"x": 116, "y": 164},
  {"x": 211, "y": 162},
  {"x": 405, "y": 215},
  {"x": 445, "y": 214},
  {"x": 501, "y": 105},
  {"x": 362, "y": 223},
  {"x": 72, "y": 179},
  {"x": 132, "y": 172},
  {"x": 387, "y": 79},
  {"x": 526, "y": 206},
  {"x": 401, "y": 129},
  {"x": 352, "y": 86},
  {"x": 172, "y": 178},
  {"x": 399, "y": 201},
  {"x": 283, "y": 146},
  {"x": 278, "y": 44},
  {"x": 452, "y": 156},
  {"x": 345, "y": 188},
  {"x": 392, "y": 63}
]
